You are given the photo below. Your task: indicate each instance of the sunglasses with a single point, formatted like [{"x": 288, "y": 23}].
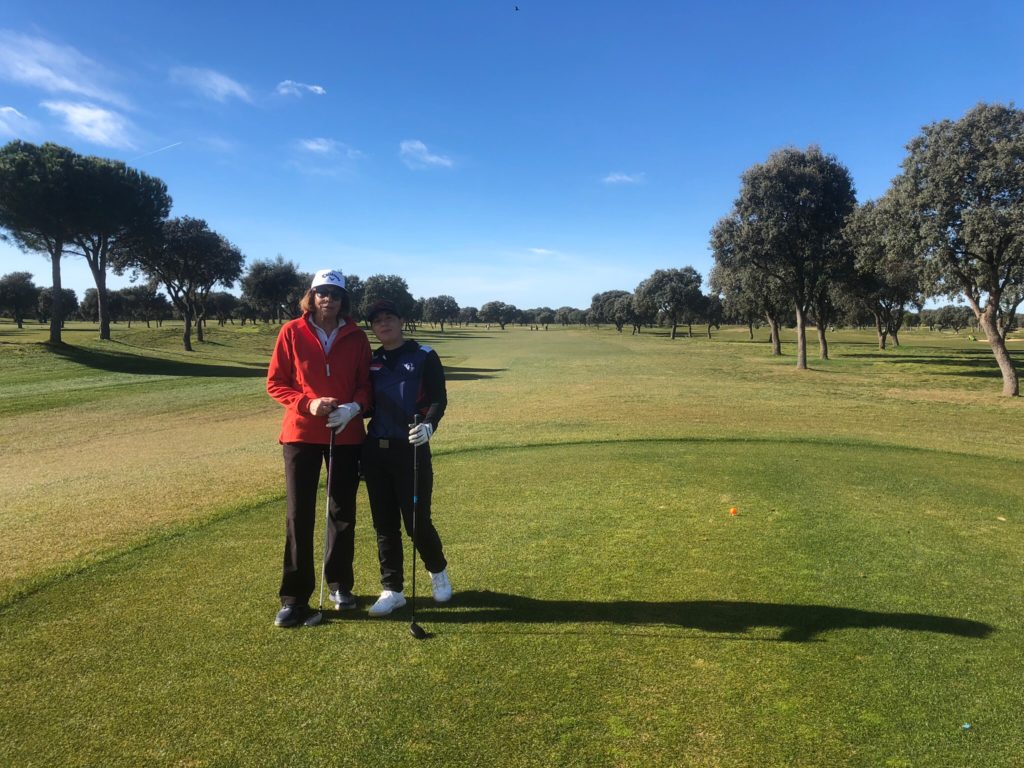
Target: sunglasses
[{"x": 328, "y": 293}]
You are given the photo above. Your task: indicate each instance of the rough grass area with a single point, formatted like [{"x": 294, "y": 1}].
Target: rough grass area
[{"x": 863, "y": 605}]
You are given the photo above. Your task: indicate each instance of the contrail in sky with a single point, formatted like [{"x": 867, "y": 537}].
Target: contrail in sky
[{"x": 169, "y": 146}]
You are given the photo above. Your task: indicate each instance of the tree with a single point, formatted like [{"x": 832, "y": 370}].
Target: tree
[
  {"x": 40, "y": 208},
  {"x": 18, "y": 295},
  {"x": 354, "y": 287},
  {"x": 440, "y": 309},
  {"x": 564, "y": 315},
  {"x": 189, "y": 259},
  {"x": 604, "y": 309},
  {"x": 223, "y": 306},
  {"x": 885, "y": 280},
  {"x": 714, "y": 312},
  {"x": 50, "y": 311},
  {"x": 145, "y": 302},
  {"x": 119, "y": 207},
  {"x": 498, "y": 312},
  {"x": 748, "y": 292},
  {"x": 469, "y": 315},
  {"x": 545, "y": 316},
  {"x": 963, "y": 186},
  {"x": 954, "y": 317},
  {"x": 671, "y": 292},
  {"x": 272, "y": 286},
  {"x": 788, "y": 222},
  {"x": 390, "y": 287},
  {"x": 1008, "y": 304}
]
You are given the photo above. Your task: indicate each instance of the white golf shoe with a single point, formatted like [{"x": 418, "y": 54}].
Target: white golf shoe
[
  {"x": 441, "y": 586},
  {"x": 386, "y": 603}
]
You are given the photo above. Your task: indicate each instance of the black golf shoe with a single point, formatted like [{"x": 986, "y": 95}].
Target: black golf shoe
[
  {"x": 292, "y": 615},
  {"x": 343, "y": 601}
]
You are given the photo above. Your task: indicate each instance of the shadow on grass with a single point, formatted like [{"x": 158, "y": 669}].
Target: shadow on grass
[
  {"x": 979, "y": 363},
  {"x": 116, "y": 362},
  {"x": 799, "y": 623},
  {"x": 456, "y": 373}
]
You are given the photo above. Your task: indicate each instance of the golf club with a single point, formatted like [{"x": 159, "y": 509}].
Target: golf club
[
  {"x": 317, "y": 617},
  {"x": 415, "y": 629}
]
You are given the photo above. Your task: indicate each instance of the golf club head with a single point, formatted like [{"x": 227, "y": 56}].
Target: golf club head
[
  {"x": 313, "y": 620},
  {"x": 417, "y": 631}
]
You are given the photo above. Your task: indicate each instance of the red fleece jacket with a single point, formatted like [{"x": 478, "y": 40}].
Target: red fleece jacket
[{"x": 300, "y": 372}]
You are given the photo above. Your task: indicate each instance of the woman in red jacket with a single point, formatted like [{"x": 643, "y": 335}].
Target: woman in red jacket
[{"x": 320, "y": 373}]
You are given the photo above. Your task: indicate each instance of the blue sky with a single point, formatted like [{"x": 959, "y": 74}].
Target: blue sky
[{"x": 535, "y": 156}]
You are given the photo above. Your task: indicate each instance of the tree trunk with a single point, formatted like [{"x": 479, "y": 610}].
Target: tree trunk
[
  {"x": 801, "y": 340},
  {"x": 673, "y": 331},
  {"x": 880, "y": 330},
  {"x": 100, "y": 278},
  {"x": 988, "y": 323},
  {"x": 186, "y": 336},
  {"x": 773, "y": 326},
  {"x": 822, "y": 342},
  {"x": 56, "y": 317},
  {"x": 689, "y": 330},
  {"x": 750, "y": 329},
  {"x": 895, "y": 337},
  {"x": 199, "y": 329},
  {"x": 709, "y": 330}
]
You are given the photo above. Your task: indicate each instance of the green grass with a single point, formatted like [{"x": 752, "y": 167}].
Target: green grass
[{"x": 864, "y": 604}]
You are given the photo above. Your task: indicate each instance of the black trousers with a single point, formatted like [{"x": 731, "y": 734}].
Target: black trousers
[
  {"x": 388, "y": 470},
  {"x": 302, "y": 464}
]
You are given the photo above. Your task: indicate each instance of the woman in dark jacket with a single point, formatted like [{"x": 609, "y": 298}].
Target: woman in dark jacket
[{"x": 408, "y": 382}]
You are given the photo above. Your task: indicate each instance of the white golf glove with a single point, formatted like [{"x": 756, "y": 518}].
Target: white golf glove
[
  {"x": 342, "y": 415},
  {"x": 421, "y": 433}
]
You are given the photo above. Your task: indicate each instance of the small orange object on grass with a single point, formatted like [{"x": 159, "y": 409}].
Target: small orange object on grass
[{"x": 733, "y": 511}]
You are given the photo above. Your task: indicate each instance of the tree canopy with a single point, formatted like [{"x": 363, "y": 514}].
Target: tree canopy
[
  {"x": 498, "y": 312},
  {"x": 390, "y": 287},
  {"x": 119, "y": 208},
  {"x": 963, "y": 187},
  {"x": 440, "y": 309},
  {"x": 886, "y": 278},
  {"x": 18, "y": 295},
  {"x": 189, "y": 259},
  {"x": 675, "y": 293},
  {"x": 273, "y": 287},
  {"x": 788, "y": 222},
  {"x": 41, "y": 208}
]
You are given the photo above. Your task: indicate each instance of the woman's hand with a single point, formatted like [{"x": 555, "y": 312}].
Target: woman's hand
[
  {"x": 322, "y": 406},
  {"x": 341, "y": 416}
]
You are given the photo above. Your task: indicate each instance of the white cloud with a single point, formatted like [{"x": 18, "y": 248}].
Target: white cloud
[
  {"x": 292, "y": 88},
  {"x": 625, "y": 178},
  {"x": 209, "y": 83},
  {"x": 38, "y": 63},
  {"x": 14, "y": 124},
  {"x": 323, "y": 146},
  {"x": 95, "y": 124},
  {"x": 325, "y": 157},
  {"x": 542, "y": 251},
  {"x": 415, "y": 154}
]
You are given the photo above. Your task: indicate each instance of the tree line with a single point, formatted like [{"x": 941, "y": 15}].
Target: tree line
[{"x": 795, "y": 249}]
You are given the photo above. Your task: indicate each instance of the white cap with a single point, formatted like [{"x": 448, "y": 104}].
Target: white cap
[{"x": 328, "y": 277}]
